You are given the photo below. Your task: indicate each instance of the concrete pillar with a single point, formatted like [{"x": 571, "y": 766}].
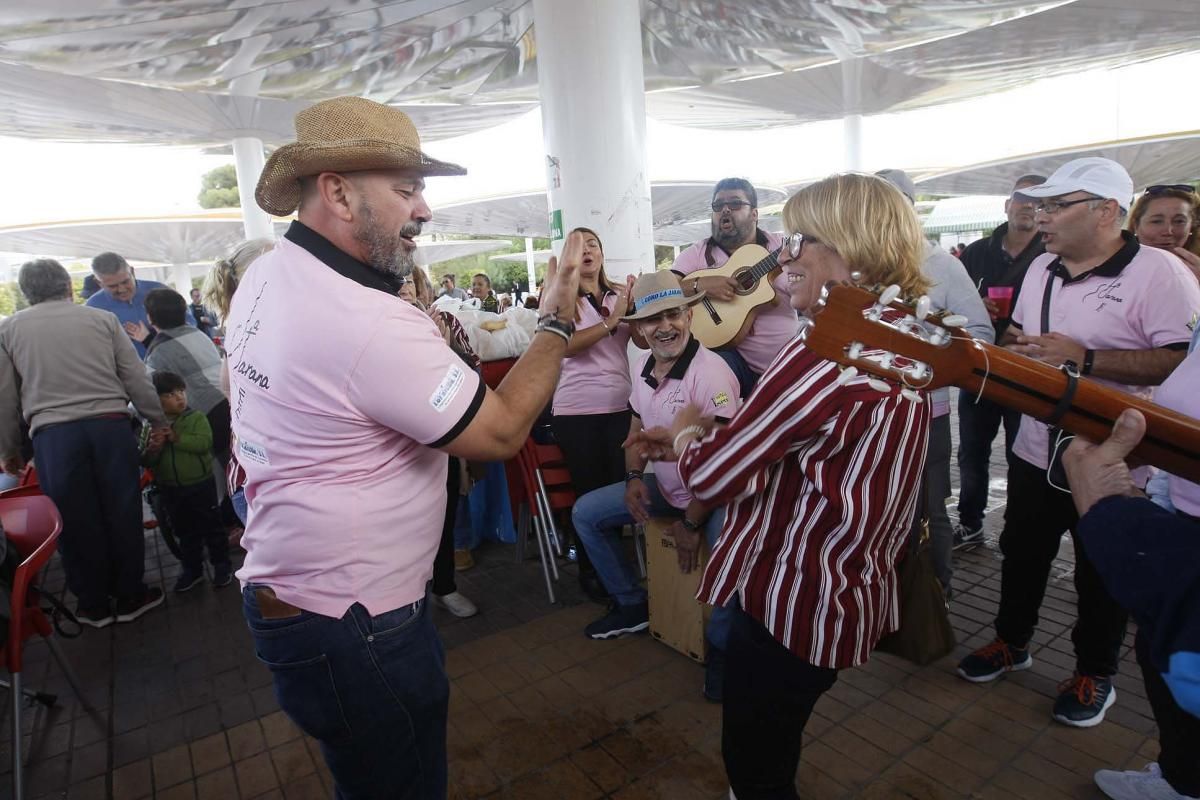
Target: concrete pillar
[
  {"x": 530, "y": 265},
  {"x": 248, "y": 161}
]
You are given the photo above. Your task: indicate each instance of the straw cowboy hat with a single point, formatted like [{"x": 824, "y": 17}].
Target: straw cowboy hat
[
  {"x": 344, "y": 134},
  {"x": 656, "y": 292}
]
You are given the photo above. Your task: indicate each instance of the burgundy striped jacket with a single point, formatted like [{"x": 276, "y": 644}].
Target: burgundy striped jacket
[{"x": 821, "y": 483}]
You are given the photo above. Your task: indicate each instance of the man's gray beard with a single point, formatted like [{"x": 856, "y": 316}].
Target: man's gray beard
[
  {"x": 386, "y": 253},
  {"x": 731, "y": 240}
]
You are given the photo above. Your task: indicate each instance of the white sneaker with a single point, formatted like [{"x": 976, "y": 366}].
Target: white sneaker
[
  {"x": 456, "y": 603},
  {"x": 1148, "y": 784}
]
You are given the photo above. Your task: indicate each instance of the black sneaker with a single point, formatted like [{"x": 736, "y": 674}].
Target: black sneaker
[
  {"x": 993, "y": 660},
  {"x": 100, "y": 617},
  {"x": 1083, "y": 699},
  {"x": 222, "y": 575},
  {"x": 619, "y": 621},
  {"x": 714, "y": 675},
  {"x": 965, "y": 536},
  {"x": 129, "y": 610},
  {"x": 188, "y": 579}
]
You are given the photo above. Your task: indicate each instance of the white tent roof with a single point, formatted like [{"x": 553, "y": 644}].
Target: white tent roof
[
  {"x": 193, "y": 239},
  {"x": 526, "y": 213},
  {"x": 1169, "y": 158},
  {"x": 965, "y": 214},
  {"x": 473, "y": 63}
]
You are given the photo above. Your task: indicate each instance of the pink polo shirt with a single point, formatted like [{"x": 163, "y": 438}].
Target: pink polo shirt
[
  {"x": 1139, "y": 299},
  {"x": 339, "y": 393},
  {"x": 596, "y": 381},
  {"x": 1181, "y": 392},
  {"x": 773, "y": 327},
  {"x": 700, "y": 378}
]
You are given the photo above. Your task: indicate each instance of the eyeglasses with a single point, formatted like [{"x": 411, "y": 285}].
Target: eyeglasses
[
  {"x": 670, "y": 315},
  {"x": 1052, "y": 207},
  {"x": 1163, "y": 188},
  {"x": 732, "y": 205},
  {"x": 793, "y": 244}
]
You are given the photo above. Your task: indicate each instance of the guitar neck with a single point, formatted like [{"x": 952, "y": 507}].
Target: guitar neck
[{"x": 1172, "y": 440}]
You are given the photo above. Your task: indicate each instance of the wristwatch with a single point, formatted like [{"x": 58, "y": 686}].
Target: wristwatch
[
  {"x": 633, "y": 474},
  {"x": 553, "y": 324},
  {"x": 691, "y": 525}
]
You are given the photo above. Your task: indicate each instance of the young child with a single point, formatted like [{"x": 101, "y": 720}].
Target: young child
[{"x": 182, "y": 465}]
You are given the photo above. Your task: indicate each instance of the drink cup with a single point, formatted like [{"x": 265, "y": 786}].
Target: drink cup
[{"x": 1002, "y": 297}]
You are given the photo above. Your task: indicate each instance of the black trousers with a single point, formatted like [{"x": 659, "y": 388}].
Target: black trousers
[
  {"x": 219, "y": 421},
  {"x": 769, "y": 696},
  {"x": 443, "y": 562},
  {"x": 591, "y": 444},
  {"x": 196, "y": 523},
  {"x": 978, "y": 423},
  {"x": 89, "y": 468},
  {"x": 1178, "y": 731},
  {"x": 1034, "y": 522}
]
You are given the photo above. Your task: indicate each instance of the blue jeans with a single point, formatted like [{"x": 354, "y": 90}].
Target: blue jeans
[
  {"x": 598, "y": 517},
  {"x": 240, "y": 506},
  {"x": 371, "y": 690}
]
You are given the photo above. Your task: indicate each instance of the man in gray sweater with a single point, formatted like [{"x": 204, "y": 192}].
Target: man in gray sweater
[{"x": 70, "y": 372}]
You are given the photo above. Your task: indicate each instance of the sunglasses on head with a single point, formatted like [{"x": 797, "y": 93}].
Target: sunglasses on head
[{"x": 1163, "y": 188}]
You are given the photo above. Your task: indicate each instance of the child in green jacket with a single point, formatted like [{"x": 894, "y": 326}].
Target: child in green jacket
[{"x": 182, "y": 464}]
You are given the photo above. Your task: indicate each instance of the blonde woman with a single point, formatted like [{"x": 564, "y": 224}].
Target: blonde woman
[{"x": 821, "y": 479}]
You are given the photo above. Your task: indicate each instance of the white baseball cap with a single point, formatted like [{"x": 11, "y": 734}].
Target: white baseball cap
[{"x": 1099, "y": 176}]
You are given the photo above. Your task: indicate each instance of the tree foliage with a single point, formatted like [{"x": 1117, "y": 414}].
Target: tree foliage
[{"x": 218, "y": 188}]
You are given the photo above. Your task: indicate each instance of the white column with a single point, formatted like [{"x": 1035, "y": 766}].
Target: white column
[
  {"x": 530, "y": 265},
  {"x": 594, "y": 125},
  {"x": 181, "y": 277},
  {"x": 852, "y": 103},
  {"x": 248, "y": 161}
]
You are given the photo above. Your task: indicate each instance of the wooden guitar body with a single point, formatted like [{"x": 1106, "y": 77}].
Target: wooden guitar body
[{"x": 716, "y": 323}]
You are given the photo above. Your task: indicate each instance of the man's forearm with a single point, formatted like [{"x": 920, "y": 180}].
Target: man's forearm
[
  {"x": 1136, "y": 367},
  {"x": 529, "y": 385}
]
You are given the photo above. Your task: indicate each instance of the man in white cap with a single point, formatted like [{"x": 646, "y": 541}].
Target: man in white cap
[
  {"x": 1096, "y": 304},
  {"x": 677, "y": 372},
  {"x": 343, "y": 427}
]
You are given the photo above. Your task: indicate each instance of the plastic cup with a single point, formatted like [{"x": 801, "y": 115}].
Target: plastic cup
[{"x": 1002, "y": 297}]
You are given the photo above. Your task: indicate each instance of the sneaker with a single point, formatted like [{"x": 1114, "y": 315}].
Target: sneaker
[
  {"x": 966, "y": 536},
  {"x": 456, "y": 603},
  {"x": 1148, "y": 784},
  {"x": 992, "y": 660},
  {"x": 714, "y": 675},
  {"x": 129, "y": 610},
  {"x": 222, "y": 575},
  {"x": 188, "y": 579},
  {"x": 619, "y": 621},
  {"x": 463, "y": 560},
  {"x": 1083, "y": 699},
  {"x": 100, "y": 617}
]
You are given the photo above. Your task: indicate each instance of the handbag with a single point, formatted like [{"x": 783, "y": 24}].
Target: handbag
[{"x": 925, "y": 633}]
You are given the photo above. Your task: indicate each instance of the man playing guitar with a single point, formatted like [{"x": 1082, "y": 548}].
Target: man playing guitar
[{"x": 734, "y": 224}]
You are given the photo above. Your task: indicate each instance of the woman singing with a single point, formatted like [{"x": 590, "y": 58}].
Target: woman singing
[{"x": 821, "y": 482}]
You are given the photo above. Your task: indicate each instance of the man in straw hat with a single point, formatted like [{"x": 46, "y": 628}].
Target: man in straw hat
[
  {"x": 343, "y": 429},
  {"x": 676, "y": 373}
]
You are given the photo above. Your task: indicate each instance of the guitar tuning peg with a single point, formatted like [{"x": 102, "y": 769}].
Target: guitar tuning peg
[
  {"x": 854, "y": 350},
  {"x": 924, "y": 304},
  {"x": 847, "y": 375},
  {"x": 954, "y": 321},
  {"x": 885, "y": 360},
  {"x": 939, "y": 337},
  {"x": 909, "y": 394},
  {"x": 889, "y": 295},
  {"x": 879, "y": 386},
  {"x": 855, "y": 277},
  {"x": 918, "y": 371}
]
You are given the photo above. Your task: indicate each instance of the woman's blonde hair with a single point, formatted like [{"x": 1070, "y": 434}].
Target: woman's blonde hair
[
  {"x": 868, "y": 222},
  {"x": 1142, "y": 204},
  {"x": 422, "y": 286},
  {"x": 222, "y": 280}
]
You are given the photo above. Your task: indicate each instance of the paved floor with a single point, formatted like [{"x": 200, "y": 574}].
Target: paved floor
[{"x": 539, "y": 711}]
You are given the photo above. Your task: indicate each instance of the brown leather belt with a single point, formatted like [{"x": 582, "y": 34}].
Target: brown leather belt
[{"x": 271, "y": 607}]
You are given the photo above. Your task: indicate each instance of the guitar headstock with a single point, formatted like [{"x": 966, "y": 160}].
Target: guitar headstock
[{"x": 873, "y": 332}]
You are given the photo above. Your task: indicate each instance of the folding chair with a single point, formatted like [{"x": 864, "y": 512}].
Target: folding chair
[
  {"x": 547, "y": 491},
  {"x": 33, "y": 525}
]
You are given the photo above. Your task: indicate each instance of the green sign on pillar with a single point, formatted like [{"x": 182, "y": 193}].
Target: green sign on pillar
[{"x": 556, "y": 229}]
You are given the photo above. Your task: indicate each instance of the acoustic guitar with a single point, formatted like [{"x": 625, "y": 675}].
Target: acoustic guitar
[
  {"x": 719, "y": 323},
  {"x": 920, "y": 351}
]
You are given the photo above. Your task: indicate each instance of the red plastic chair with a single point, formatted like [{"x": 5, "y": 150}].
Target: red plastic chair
[
  {"x": 33, "y": 525},
  {"x": 548, "y": 491}
]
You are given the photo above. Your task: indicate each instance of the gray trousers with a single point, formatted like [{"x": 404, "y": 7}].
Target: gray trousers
[{"x": 937, "y": 488}]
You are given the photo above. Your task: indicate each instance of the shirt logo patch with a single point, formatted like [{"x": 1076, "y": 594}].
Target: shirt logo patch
[
  {"x": 720, "y": 399},
  {"x": 445, "y": 392},
  {"x": 250, "y": 451},
  {"x": 1191, "y": 326}
]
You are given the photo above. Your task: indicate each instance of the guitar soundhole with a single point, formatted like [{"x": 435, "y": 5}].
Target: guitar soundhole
[{"x": 746, "y": 281}]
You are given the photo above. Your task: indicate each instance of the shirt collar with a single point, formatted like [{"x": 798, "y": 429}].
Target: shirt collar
[
  {"x": 678, "y": 369},
  {"x": 340, "y": 261},
  {"x": 1111, "y": 268}
]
